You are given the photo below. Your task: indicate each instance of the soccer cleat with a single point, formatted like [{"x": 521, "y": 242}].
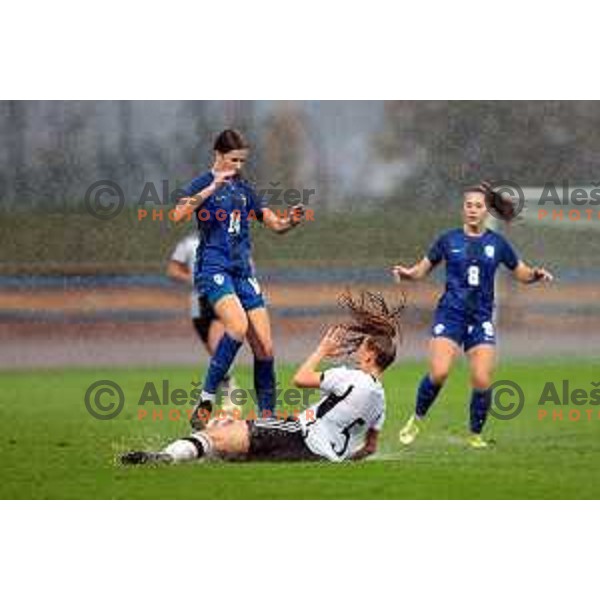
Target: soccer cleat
[
  {"x": 139, "y": 457},
  {"x": 200, "y": 414},
  {"x": 476, "y": 441},
  {"x": 410, "y": 431}
]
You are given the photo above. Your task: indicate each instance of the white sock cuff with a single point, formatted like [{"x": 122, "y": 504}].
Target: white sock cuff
[
  {"x": 182, "y": 451},
  {"x": 205, "y": 441},
  {"x": 208, "y": 397}
]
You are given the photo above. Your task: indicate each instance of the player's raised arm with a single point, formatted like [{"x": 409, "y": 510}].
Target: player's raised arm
[
  {"x": 526, "y": 274},
  {"x": 414, "y": 273},
  {"x": 308, "y": 375},
  {"x": 189, "y": 204},
  {"x": 283, "y": 224}
]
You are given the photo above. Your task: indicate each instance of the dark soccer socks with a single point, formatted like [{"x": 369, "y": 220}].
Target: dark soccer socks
[
  {"x": 478, "y": 410},
  {"x": 264, "y": 384},
  {"x": 426, "y": 395},
  {"x": 480, "y": 404},
  {"x": 221, "y": 362}
]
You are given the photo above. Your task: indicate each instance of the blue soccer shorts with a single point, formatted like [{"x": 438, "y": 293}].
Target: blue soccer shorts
[
  {"x": 465, "y": 333},
  {"x": 214, "y": 286}
]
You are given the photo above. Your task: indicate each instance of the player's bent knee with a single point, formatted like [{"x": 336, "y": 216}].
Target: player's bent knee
[
  {"x": 238, "y": 330},
  {"x": 439, "y": 375},
  {"x": 481, "y": 381}
]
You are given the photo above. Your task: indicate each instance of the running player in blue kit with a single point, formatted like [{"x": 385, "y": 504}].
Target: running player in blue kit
[
  {"x": 224, "y": 205},
  {"x": 464, "y": 315}
]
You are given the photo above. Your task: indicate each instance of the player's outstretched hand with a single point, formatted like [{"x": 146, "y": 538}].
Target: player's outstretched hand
[
  {"x": 222, "y": 177},
  {"x": 331, "y": 344},
  {"x": 296, "y": 214},
  {"x": 401, "y": 272},
  {"x": 540, "y": 274}
]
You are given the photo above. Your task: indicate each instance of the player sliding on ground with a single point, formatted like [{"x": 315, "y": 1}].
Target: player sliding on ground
[
  {"x": 464, "y": 314},
  {"x": 344, "y": 424},
  {"x": 224, "y": 204}
]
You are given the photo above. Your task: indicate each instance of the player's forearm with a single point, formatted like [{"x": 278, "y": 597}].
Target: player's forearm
[
  {"x": 308, "y": 374},
  {"x": 362, "y": 453},
  {"x": 526, "y": 274},
  {"x": 187, "y": 206},
  {"x": 279, "y": 224},
  {"x": 288, "y": 226},
  {"x": 179, "y": 273},
  {"x": 367, "y": 450},
  {"x": 414, "y": 273},
  {"x": 183, "y": 210},
  {"x": 369, "y": 447},
  {"x": 422, "y": 269}
]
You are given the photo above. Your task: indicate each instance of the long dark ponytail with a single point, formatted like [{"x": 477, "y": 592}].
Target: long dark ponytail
[
  {"x": 500, "y": 206},
  {"x": 372, "y": 319}
]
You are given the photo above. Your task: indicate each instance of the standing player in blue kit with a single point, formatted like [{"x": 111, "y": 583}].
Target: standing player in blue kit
[
  {"x": 224, "y": 205},
  {"x": 464, "y": 315}
]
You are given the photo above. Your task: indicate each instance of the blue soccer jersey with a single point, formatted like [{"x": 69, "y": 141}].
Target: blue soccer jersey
[
  {"x": 471, "y": 263},
  {"x": 224, "y": 226}
]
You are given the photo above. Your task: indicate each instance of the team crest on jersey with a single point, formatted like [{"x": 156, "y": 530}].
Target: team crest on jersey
[
  {"x": 219, "y": 279},
  {"x": 489, "y": 251},
  {"x": 488, "y": 329}
]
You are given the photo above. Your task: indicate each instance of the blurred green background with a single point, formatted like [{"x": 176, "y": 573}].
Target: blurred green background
[{"x": 387, "y": 175}]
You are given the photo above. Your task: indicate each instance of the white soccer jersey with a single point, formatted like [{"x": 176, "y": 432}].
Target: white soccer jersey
[
  {"x": 185, "y": 253},
  {"x": 352, "y": 402}
]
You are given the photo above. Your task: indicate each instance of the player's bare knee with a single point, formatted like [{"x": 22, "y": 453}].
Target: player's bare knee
[
  {"x": 439, "y": 374},
  {"x": 238, "y": 330},
  {"x": 481, "y": 381}
]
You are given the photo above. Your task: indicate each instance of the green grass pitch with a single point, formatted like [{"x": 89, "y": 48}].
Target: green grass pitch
[{"x": 51, "y": 447}]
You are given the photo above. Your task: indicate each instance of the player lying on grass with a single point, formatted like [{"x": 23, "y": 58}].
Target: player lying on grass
[
  {"x": 464, "y": 315},
  {"x": 224, "y": 204},
  {"x": 344, "y": 424}
]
